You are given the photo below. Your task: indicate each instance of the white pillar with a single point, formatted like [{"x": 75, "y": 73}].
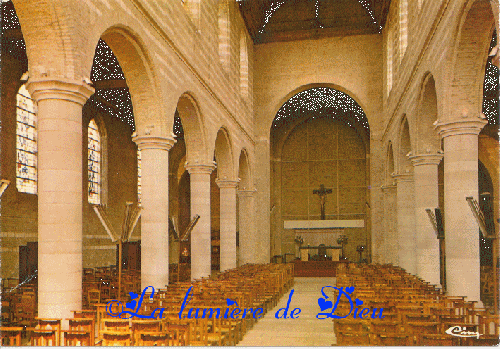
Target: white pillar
[
  {"x": 425, "y": 174},
  {"x": 461, "y": 229},
  {"x": 59, "y": 194},
  {"x": 406, "y": 223},
  {"x": 154, "y": 217},
  {"x": 263, "y": 199},
  {"x": 390, "y": 238},
  {"x": 227, "y": 223},
  {"x": 201, "y": 234},
  {"x": 248, "y": 239}
]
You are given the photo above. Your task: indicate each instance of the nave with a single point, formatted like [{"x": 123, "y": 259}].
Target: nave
[
  {"x": 376, "y": 305},
  {"x": 305, "y": 330}
]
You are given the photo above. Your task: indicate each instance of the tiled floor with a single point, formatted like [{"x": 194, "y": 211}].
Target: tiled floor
[{"x": 306, "y": 330}]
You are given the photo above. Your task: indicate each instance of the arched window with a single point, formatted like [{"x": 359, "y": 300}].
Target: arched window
[
  {"x": 403, "y": 28},
  {"x": 390, "y": 55},
  {"x": 224, "y": 35},
  {"x": 139, "y": 176},
  {"x": 26, "y": 146},
  {"x": 243, "y": 66},
  {"x": 94, "y": 162}
]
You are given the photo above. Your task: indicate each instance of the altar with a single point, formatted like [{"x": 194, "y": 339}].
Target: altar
[{"x": 324, "y": 233}]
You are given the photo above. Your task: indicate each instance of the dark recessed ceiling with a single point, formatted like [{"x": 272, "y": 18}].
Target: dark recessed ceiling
[{"x": 287, "y": 20}]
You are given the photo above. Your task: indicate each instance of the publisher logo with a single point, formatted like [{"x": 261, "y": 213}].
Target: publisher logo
[{"x": 458, "y": 331}]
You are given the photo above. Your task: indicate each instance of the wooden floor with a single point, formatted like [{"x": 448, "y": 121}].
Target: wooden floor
[{"x": 304, "y": 331}]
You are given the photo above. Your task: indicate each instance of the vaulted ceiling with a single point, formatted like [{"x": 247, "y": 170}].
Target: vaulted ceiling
[{"x": 287, "y": 20}]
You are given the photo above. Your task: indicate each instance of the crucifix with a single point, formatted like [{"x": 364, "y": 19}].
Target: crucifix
[{"x": 322, "y": 192}]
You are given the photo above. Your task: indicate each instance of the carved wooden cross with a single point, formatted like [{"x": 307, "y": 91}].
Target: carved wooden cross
[{"x": 322, "y": 192}]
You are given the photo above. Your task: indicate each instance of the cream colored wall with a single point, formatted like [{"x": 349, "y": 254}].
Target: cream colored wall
[
  {"x": 321, "y": 151},
  {"x": 350, "y": 64}
]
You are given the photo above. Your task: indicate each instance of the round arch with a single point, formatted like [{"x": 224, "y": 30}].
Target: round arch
[
  {"x": 244, "y": 170},
  {"x": 136, "y": 64},
  {"x": 303, "y": 88},
  {"x": 390, "y": 165},
  {"x": 224, "y": 155},
  {"x": 194, "y": 131},
  {"x": 470, "y": 51},
  {"x": 427, "y": 139},
  {"x": 53, "y": 51},
  {"x": 404, "y": 147}
]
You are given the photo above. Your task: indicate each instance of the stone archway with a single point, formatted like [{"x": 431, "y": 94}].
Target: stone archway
[
  {"x": 389, "y": 248},
  {"x": 317, "y": 137},
  {"x": 227, "y": 183},
  {"x": 405, "y": 201},
  {"x": 248, "y": 242},
  {"x": 427, "y": 157}
]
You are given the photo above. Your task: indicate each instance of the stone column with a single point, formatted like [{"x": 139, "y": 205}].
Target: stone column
[
  {"x": 227, "y": 223},
  {"x": 59, "y": 194},
  {"x": 461, "y": 229},
  {"x": 390, "y": 238},
  {"x": 262, "y": 200},
  {"x": 248, "y": 240},
  {"x": 406, "y": 223},
  {"x": 425, "y": 174},
  {"x": 200, "y": 204},
  {"x": 154, "y": 217}
]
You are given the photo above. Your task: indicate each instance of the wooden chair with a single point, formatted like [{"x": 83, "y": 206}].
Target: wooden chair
[
  {"x": 6, "y": 312},
  {"x": 116, "y": 338},
  {"x": 350, "y": 325},
  {"x": 198, "y": 328},
  {"x": 94, "y": 297},
  {"x": 78, "y": 328},
  {"x": 382, "y": 326},
  {"x": 25, "y": 310},
  {"x": 10, "y": 336},
  {"x": 437, "y": 340},
  {"x": 142, "y": 326},
  {"x": 78, "y": 338},
  {"x": 153, "y": 339},
  {"x": 353, "y": 339},
  {"x": 50, "y": 325},
  {"x": 43, "y": 338},
  {"x": 392, "y": 339},
  {"x": 489, "y": 325},
  {"x": 489, "y": 329},
  {"x": 180, "y": 334},
  {"x": 116, "y": 325}
]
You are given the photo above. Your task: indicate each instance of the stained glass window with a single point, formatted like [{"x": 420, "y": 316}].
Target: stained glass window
[
  {"x": 26, "y": 146},
  {"x": 94, "y": 162},
  {"x": 139, "y": 176}
]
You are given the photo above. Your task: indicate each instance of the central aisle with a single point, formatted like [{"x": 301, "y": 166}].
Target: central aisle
[{"x": 304, "y": 331}]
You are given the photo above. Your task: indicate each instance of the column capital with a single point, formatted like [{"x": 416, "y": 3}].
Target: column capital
[
  {"x": 62, "y": 89},
  {"x": 154, "y": 142},
  {"x": 247, "y": 193},
  {"x": 471, "y": 126},
  {"x": 426, "y": 159},
  {"x": 227, "y": 183},
  {"x": 194, "y": 167},
  {"x": 402, "y": 177}
]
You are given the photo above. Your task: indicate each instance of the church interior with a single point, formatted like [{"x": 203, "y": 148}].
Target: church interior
[{"x": 249, "y": 153}]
